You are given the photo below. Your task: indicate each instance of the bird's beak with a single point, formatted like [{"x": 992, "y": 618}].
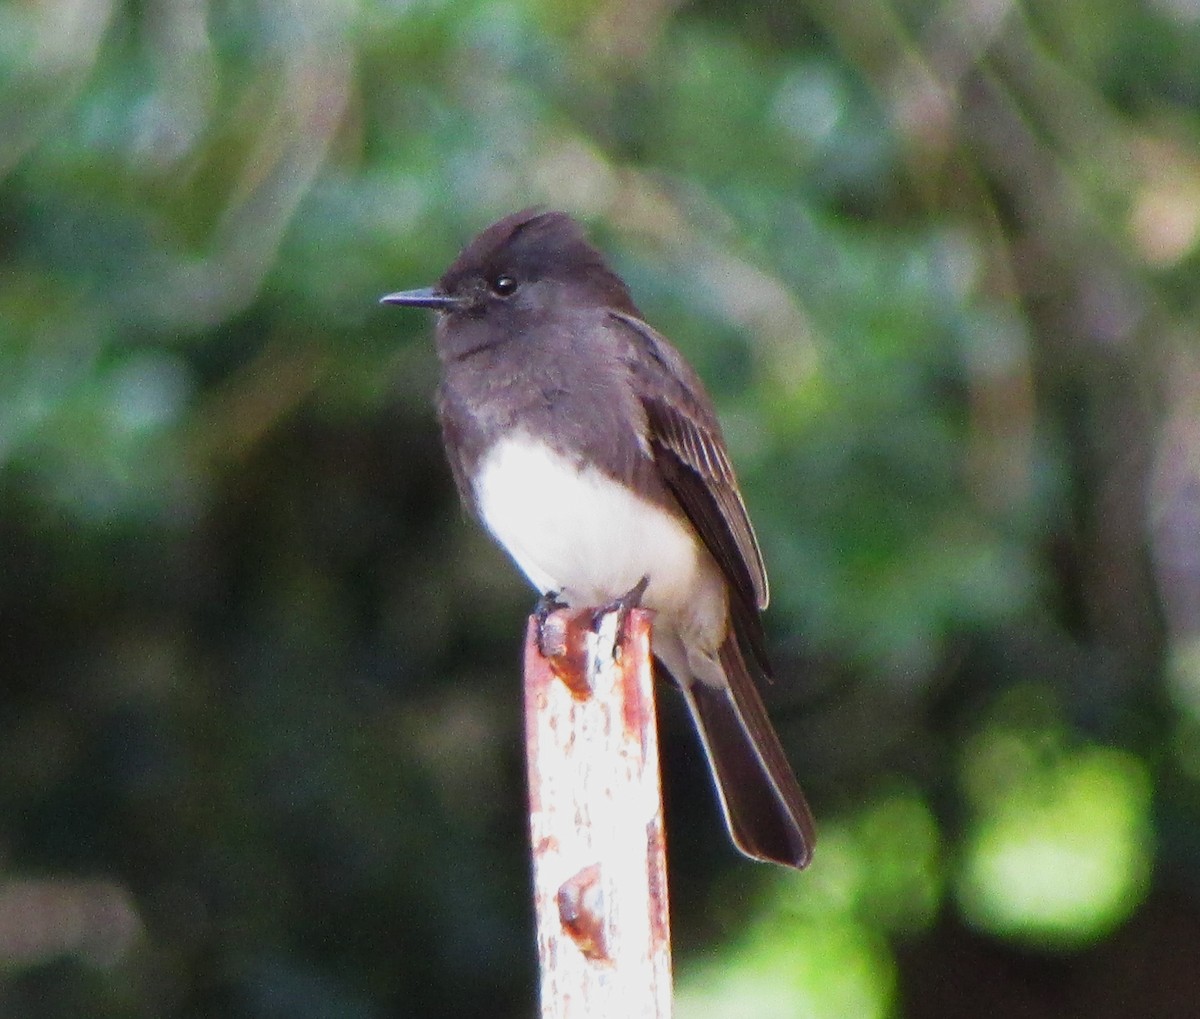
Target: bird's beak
[{"x": 426, "y": 297}]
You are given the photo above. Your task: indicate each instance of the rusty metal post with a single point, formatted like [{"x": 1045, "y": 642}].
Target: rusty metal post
[{"x": 599, "y": 857}]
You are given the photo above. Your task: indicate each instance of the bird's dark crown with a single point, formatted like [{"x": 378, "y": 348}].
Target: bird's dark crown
[{"x": 531, "y": 247}]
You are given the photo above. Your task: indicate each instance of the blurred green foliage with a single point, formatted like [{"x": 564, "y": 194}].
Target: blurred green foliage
[{"x": 259, "y": 743}]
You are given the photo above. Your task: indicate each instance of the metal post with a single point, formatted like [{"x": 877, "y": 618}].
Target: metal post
[{"x": 599, "y": 856}]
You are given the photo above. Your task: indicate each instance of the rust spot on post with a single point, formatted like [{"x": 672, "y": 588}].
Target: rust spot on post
[
  {"x": 581, "y": 911},
  {"x": 656, "y": 854},
  {"x": 638, "y": 708},
  {"x": 564, "y": 646}
]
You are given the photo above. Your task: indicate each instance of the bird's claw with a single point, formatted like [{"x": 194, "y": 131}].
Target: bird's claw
[
  {"x": 547, "y": 605},
  {"x": 622, "y": 605}
]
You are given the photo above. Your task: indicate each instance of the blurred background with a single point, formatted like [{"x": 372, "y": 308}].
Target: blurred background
[{"x": 260, "y": 749}]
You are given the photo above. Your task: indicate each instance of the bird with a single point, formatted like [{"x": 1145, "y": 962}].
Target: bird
[{"x": 590, "y": 450}]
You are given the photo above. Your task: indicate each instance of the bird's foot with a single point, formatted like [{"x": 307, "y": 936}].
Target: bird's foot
[
  {"x": 622, "y": 605},
  {"x": 547, "y": 605}
]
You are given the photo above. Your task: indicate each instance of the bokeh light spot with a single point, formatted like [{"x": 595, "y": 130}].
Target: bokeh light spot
[{"x": 1059, "y": 851}]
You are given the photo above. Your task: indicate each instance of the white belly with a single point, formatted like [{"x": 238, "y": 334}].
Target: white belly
[{"x": 576, "y": 531}]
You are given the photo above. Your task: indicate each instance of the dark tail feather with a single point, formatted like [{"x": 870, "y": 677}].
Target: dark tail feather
[{"x": 764, "y": 807}]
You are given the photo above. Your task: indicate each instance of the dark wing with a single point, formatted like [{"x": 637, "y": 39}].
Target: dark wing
[{"x": 686, "y": 441}]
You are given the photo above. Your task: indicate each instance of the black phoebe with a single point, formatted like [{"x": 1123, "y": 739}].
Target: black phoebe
[{"x": 590, "y": 450}]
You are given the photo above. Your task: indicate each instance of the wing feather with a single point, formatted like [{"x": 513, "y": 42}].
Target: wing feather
[{"x": 686, "y": 440}]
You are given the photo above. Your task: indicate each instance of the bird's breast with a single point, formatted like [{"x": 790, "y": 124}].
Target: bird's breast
[{"x": 574, "y": 529}]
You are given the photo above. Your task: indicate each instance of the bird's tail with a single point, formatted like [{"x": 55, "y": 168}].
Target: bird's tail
[{"x": 764, "y": 808}]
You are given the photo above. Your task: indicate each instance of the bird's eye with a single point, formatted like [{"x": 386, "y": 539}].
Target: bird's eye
[{"x": 504, "y": 285}]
